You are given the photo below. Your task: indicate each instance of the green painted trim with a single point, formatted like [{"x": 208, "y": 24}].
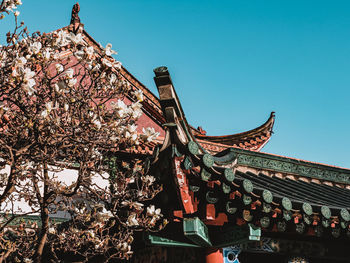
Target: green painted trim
[
  {"x": 229, "y": 236},
  {"x": 196, "y": 231},
  {"x": 291, "y": 166},
  {"x": 165, "y": 242}
]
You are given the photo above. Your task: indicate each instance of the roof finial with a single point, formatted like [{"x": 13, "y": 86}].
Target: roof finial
[{"x": 75, "y": 14}]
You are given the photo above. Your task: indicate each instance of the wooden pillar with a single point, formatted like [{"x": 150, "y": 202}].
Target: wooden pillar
[{"x": 214, "y": 255}]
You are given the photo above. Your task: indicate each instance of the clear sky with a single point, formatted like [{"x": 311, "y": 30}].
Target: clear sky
[{"x": 233, "y": 62}]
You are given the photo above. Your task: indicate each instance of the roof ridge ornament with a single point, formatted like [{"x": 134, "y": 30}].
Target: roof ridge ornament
[{"x": 75, "y": 19}]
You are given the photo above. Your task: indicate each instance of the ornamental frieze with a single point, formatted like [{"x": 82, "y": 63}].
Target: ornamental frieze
[{"x": 289, "y": 166}]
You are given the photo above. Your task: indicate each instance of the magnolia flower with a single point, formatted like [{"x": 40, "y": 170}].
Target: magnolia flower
[
  {"x": 152, "y": 211},
  {"x": 125, "y": 247},
  {"x": 131, "y": 136},
  {"x": 66, "y": 107},
  {"x": 28, "y": 81},
  {"x": 136, "y": 105},
  {"x": 132, "y": 221},
  {"x": 28, "y": 74},
  {"x": 132, "y": 128},
  {"x": 148, "y": 179},
  {"x": 62, "y": 38},
  {"x": 91, "y": 233},
  {"x": 120, "y": 105},
  {"x": 69, "y": 73},
  {"x": 48, "y": 108},
  {"x": 16, "y": 13},
  {"x": 137, "y": 113},
  {"x": 96, "y": 68},
  {"x": 76, "y": 39},
  {"x": 52, "y": 230},
  {"x": 35, "y": 47},
  {"x": 97, "y": 124},
  {"x": 59, "y": 68},
  {"x": 89, "y": 52},
  {"x": 20, "y": 62},
  {"x": 117, "y": 64},
  {"x": 112, "y": 78},
  {"x": 138, "y": 94},
  {"x": 72, "y": 82},
  {"x": 149, "y": 134},
  {"x": 106, "y": 62},
  {"x": 60, "y": 86},
  {"x": 136, "y": 205},
  {"x": 46, "y": 54},
  {"x": 3, "y": 108},
  {"x": 79, "y": 54},
  {"x": 18, "y": 2},
  {"x": 108, "y": 50}
]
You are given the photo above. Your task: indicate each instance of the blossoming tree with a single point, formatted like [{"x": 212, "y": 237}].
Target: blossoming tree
[{"x": 62, "y": 109}]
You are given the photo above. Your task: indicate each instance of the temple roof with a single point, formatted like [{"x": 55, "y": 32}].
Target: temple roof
[
  {"x": 237, "y": 186},
  {"x": 253, "y": 140}
]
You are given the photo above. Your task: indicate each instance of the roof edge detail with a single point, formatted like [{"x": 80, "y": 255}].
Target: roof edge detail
[{"x": 254, "y": 139}]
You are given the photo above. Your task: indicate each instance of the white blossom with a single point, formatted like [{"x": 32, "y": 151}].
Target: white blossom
[
  {"x": 132, "y": 128},
  {"x": 62, "y": 38},
  {"x": 89, "y": 52},
  {"x": 66, "y": 107},
  {"x": 132, "y": 221},
  {"x": 59, "y": 68},
  {"x": 35, "y": 47},
  {"x": 108, "y": 50},
  {"x": 97, "y": 124},
  {"x": 148, "y": 179},
  {"x": 76, "y": 39},
  {"x": 28, "y": 81},
  {"x": 138, "y": 94},
  {"x": 52, "y": 230},
  {"x": 20, "y": 62},
  {"x": 46, "y": 54},
  {"x": 72, "y": 82},
  {"x": 96, "y": 68},
  {"x": 69, "y": 73},
  {"x": 106, "y": 62},
  {"x": 79, "y": 54},
  {"x": 149, "y": 134}
]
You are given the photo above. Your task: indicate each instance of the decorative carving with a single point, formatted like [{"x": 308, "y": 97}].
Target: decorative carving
[
  {"x": 265, "y": 222},
  {"x": 287, "y": 215},
  {"x": 193, "y": 147},
  {"x": 248, "y": 186},
  {"x": 286, "y": 203},
  {"x": 288, "y": 166},
  {"x": 326, "y": 212},
  {"x": 205, "y": 175},
  {"x": 226, "y": 188},
  {"x": 75, "y": 14},
  {"x": 229, "y": 174},
  {"x": 230, "y": 208},
  {"x": 307, "y": 208},
  {"x": 247, "y": 200},
  {"x": 208, "y": 160},
  {"x": 345, "y": 214},
  {"x": 267, "y": 196}
]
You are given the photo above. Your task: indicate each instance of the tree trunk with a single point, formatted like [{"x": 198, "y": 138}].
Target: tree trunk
[
  {"x": 43, "y": 235},
  {"x": 44, "y": 217}
]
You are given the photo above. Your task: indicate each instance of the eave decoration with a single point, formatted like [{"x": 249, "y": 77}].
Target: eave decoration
[{"x": 237, "y": 187}]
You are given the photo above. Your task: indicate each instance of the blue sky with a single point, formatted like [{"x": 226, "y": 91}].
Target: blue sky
[{"x": 233, "y": 62}]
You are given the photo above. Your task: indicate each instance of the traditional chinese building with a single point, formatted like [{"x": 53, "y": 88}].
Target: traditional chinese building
[{"x": 226, "y": 200}]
